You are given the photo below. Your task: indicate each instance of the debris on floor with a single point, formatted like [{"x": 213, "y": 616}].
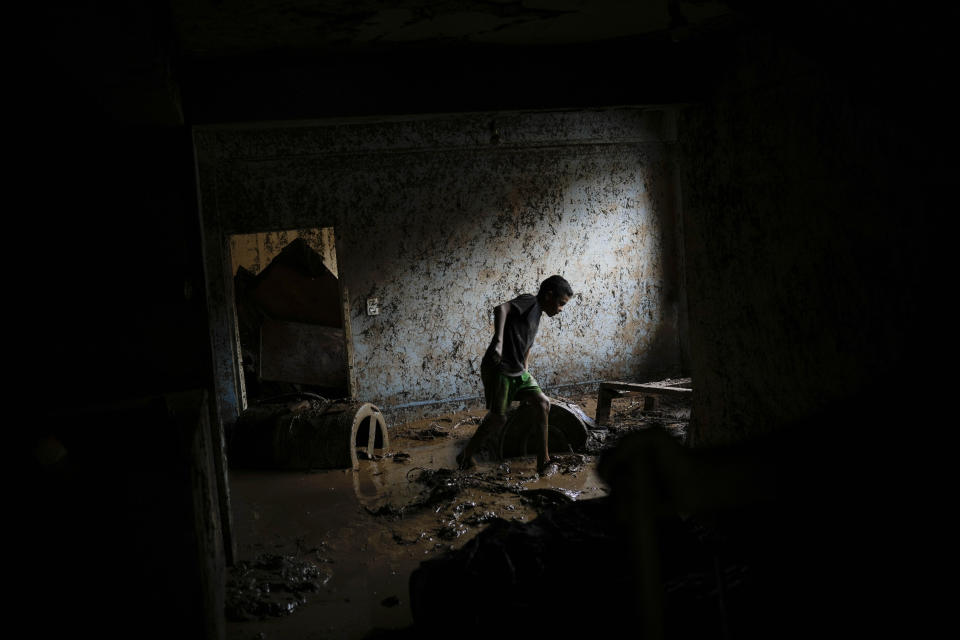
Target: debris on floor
[
  {"x": 324, "y": 436},
  {"x": 271, "y": 585},
  {"x": 413, "y": 502},
  {"x": 569, "y": 569},
  {"x": 434, "y": 431},
  {"x": 441, "y": 488}
]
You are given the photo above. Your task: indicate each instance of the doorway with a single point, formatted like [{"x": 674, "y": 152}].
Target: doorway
[{"x": 289, "y": 321}]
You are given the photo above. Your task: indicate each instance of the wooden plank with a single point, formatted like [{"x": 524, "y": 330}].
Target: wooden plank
[
  {"x": 604, "y": 398},
  {"x": 613, "y": 389},
  {"x": 645, "y": 387}
]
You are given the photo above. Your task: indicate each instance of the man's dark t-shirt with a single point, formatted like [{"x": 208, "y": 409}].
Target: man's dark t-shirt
[{"x": 520, "y": 329}]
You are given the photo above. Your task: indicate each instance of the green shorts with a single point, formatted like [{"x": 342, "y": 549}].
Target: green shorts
[{"x": 500, "y": 390}]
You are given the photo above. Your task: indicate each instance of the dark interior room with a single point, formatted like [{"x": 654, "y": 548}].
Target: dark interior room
[{"x": 273, "y": 227}]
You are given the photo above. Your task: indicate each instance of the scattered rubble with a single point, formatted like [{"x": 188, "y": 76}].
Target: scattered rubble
[
  {"x": 271, "y": 585},
  {"x": 430, "y": 433},
  {"x": 524, "y": 519}
]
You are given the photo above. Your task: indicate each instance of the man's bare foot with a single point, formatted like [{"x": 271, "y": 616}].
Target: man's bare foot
[
  {"x": 547, "y": 468},
  {"x": 464, "y": 462}
]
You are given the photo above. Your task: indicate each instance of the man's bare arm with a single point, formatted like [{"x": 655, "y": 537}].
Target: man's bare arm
[
  {"x": 526, "y": 356},
  {"x": 499, "y": 322}
]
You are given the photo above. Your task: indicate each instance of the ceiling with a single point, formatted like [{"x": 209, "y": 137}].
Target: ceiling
[
  {"x": 174, "y": 61},
  {"x": 216, "y": 28}
]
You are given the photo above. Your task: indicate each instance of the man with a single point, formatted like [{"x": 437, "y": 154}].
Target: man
[{"x": 504, "y": 366}]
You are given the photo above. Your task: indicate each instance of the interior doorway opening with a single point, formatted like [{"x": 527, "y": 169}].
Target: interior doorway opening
[{"x": 289, "y": 315}]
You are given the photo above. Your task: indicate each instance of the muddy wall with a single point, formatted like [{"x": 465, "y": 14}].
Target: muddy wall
[
  {"x": 441, "y": 218},
  {"x": 808, "y": 195}
]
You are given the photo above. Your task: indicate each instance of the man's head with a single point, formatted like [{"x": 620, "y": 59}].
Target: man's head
[{"x": 554, "y": 293}]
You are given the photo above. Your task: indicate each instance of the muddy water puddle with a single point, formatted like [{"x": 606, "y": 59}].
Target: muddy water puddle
[{"x": 359, "y": 534}]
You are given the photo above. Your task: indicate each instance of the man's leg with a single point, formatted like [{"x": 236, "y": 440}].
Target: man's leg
[
  {"x": 542, "y": 403},
  {"x": 491, "y": 424},
  {"x": 496, "y": 389}
]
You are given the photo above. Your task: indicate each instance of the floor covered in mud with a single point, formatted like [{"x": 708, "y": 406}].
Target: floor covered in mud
[{"x": 329, "y": 554}]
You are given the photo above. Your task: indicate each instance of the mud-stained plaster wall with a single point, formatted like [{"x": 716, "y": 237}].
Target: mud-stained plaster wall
[{"x": 441, "y": 218}]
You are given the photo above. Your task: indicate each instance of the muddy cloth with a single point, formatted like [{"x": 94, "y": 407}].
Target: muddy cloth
[{"x": 520, "y": 329}]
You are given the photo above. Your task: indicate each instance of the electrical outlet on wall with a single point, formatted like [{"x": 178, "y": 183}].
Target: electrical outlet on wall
[{"x": 373, "y": 306}]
